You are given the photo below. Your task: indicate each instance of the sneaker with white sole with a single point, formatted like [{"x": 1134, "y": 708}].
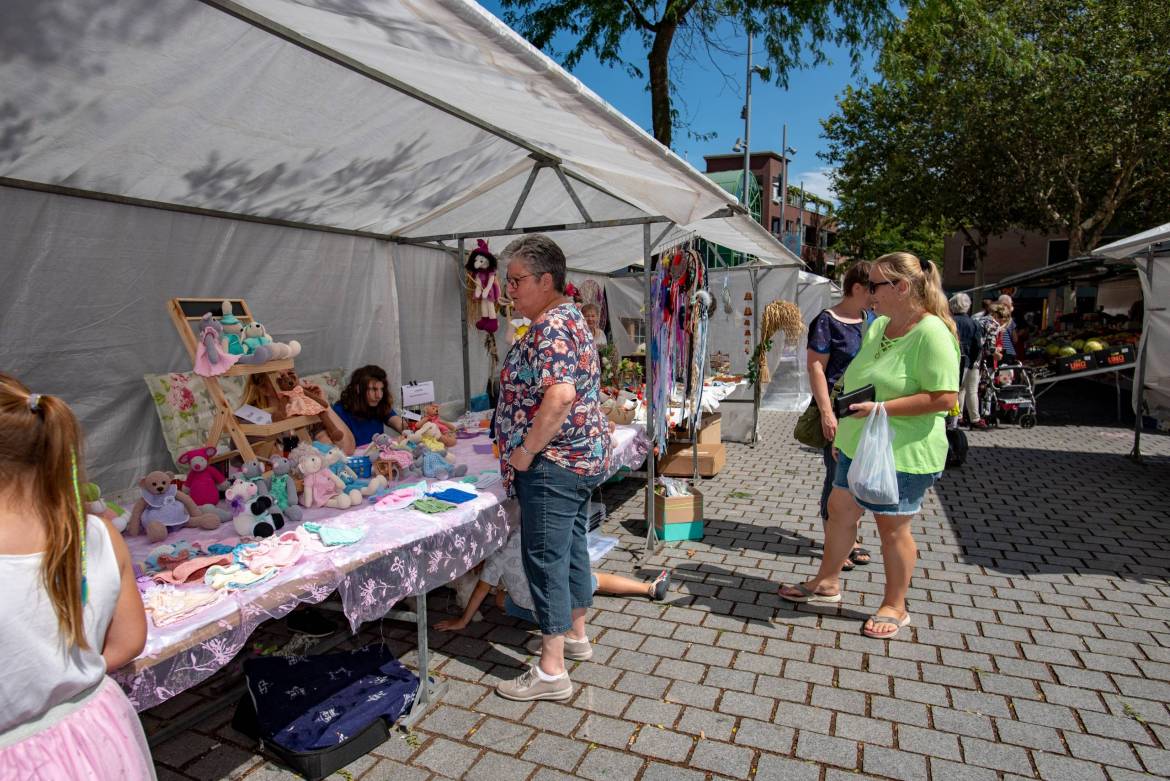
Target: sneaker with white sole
[
  {"x": 575, "y": 650},
  {"x": 530, "y": 686}
]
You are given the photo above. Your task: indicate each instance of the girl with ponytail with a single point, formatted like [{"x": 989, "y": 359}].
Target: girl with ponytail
[
  {"x": 71, "y": 608},
  {"x": 910, "y": 355}
]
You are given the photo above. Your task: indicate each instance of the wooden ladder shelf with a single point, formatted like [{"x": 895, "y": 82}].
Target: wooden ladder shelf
[{"x": 247, "y": 437}]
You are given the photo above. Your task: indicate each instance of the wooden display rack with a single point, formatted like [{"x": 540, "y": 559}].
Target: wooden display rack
[{"x": 247, "y": 437}]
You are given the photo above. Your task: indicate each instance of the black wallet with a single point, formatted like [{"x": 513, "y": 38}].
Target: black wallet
[{"x": 841, "y": 405}]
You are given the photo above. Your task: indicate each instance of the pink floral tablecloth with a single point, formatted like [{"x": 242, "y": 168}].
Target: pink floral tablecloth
[{"x": 403, "y": 553}]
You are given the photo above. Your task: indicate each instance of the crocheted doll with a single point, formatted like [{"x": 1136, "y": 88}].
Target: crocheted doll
[
  {"x": 335, "y": 460},
  {"x": 204, "y": 480},
  {"x": 211, "y": 359},
  {"x": 437, "y": 464},
  {"x": 391, "y": 460},
  {"x": 233, "y": 339},
  {"x": 162, "y": 508},
  {"x": 322, "y": 487},
  {"x": 481, "y": 272},
  {"x": 431, "y": 425}
]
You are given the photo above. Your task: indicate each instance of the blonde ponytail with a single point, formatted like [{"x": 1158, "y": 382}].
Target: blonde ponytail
[
  {"x": 40, "y": 451},
  {"x": 925, "y": 283}
]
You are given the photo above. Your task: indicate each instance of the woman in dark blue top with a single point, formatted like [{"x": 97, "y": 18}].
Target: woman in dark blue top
[
  {"x": 834, "y": 337},
  {"x": 366, "y": 406}
]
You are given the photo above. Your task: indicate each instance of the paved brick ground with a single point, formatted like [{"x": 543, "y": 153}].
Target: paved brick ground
[{"x": 1040, "y": 646}]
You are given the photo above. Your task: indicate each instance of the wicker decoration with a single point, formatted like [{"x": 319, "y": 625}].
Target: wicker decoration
[{"x": 778, "y": 316}]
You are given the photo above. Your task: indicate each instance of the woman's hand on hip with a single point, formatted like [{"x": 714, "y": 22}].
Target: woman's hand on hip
[
  {"x": 829, "y": 425},
  {"x": 520, "y": 461}
]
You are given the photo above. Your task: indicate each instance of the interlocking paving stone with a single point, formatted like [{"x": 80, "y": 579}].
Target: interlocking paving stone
[
  {"x": 822, "y": 748},
  {"x": 493, "y": 766},
  {"x": 722, "y": 758},
  {"x": 554, "y": 751},
  {"x": 602, "y": 764},
  {"x": 662, "y": 744},
  {"x": 894, "y": 764}
]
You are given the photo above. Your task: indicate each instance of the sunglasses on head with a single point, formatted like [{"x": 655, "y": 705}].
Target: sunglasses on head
[{"x": 873, "y": 286}]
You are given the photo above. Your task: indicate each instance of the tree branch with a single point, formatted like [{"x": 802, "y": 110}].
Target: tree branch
[{"x": 643, "y": 22}]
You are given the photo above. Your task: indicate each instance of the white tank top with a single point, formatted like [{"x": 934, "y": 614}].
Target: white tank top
[{"x": 40, "y": 669}]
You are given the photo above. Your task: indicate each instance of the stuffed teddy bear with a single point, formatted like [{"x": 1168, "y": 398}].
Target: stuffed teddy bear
[
  {"x": 255, "y": 335},
  {"x": 433, "y": 425},
  {"x": 481, "y": 272},
  {"x": 254, "y": 515},
  {"x": 163, "y": 508},
  {"x": 211, "y": 359},
  {"x": 322, "y": 487},
  {"x": 283, "y": 488},
  {"x": 204, "y": 481},
  {"x": 335, "y": 459},
  {"x": 431, "y": 463},
  {"x": 114, "y": 514},
  {"x": 233, "y": 339}
]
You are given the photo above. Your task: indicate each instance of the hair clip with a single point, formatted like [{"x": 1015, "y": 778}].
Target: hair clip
[{"x": 34, "y": 402}]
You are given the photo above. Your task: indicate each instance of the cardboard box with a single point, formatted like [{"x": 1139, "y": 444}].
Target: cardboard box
[
  {"x": 678, "y": 460},
  {"x": 1114, "y": 356},
  {"x": 678, "y": 517},
  {"x": 710, "y": 431},
  {"x": 1076, "y": 363}
]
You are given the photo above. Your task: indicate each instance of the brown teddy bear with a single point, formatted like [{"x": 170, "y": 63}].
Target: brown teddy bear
[{"x": 163, "y": 507}]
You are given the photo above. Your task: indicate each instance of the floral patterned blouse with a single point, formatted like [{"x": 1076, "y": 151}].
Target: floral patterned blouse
[{"x": 558, "y": 348}]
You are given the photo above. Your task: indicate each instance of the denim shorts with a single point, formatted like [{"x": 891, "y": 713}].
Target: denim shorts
[
  {"x": 523, "y": 613},
  {"x": 911, "y": 489},
  {"x": 554, "y": 522}
]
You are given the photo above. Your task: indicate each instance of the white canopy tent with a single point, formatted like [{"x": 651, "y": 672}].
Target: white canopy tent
[
  {"x": 1150, "y": 252},
  {"x": 322, "y": 158}
]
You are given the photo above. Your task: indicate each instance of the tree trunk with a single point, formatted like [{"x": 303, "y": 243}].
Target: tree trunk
[{"x": 659, "y": 60}]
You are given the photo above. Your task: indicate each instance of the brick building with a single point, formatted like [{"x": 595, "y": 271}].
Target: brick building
[
  {"x": 1010, "y": 253},
  {"x": 784, "y": 221}
]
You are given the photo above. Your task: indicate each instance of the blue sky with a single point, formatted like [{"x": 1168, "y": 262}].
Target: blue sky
[{"x": 714, "y": 102}]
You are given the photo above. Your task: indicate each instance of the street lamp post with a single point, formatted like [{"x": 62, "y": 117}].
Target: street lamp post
[{"x": 785, "y": 150}]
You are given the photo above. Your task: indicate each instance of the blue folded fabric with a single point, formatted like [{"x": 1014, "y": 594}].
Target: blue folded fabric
[
  {"x": 452, "y": 495},
  {"x": 310, "y": 703}
]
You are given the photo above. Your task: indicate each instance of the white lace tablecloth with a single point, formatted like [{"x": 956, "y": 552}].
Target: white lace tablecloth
[{"x": 403, "y": 553}]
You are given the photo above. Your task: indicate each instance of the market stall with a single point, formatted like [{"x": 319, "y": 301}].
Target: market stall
[
  {"x": 1149, "y": 251},
  {"x": 335, "y": 189}
]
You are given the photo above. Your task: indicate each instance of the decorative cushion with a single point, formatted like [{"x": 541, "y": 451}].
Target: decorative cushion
[{"x": 186, "y": 412}]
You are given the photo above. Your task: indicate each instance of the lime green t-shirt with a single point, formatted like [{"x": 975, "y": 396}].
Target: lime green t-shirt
[{"x": 925, "y": 359}]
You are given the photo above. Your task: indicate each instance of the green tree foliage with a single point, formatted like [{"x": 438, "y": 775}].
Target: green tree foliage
[
  {"x": 1042, "y": 114},
  {"x": 794, "y": 35}
]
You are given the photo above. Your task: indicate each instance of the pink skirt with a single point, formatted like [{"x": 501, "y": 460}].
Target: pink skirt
[{"x": 101, "y": 739}]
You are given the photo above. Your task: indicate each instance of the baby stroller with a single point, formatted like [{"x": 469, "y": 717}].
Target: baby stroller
[{"x": 1007, "y": 393}]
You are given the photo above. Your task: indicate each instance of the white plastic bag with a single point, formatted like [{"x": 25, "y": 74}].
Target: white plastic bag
[{"x": 872, "y": 476}]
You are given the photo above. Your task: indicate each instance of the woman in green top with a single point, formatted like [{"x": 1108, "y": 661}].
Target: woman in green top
[{"x": 910, "y": 354}]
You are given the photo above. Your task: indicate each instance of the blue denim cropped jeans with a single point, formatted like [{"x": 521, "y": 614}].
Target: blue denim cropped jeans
[{"x": 553, "y": 546}]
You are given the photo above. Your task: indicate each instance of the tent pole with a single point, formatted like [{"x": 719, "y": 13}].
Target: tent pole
[
  {"x": 1139, "y": 376},
  {"x": 524, "y": 194},
  {"x": 622, "y": 222},
  {"x": 647, "y": 277},
  {"x": 459, "y": 260},
  {"x": 756, "y": 303}
]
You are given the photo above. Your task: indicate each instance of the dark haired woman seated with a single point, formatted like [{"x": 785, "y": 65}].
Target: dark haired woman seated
[{"x": 366, "y": 406}]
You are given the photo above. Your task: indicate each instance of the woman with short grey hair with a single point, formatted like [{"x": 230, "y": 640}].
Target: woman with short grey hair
[
  {"x": 970, "y": 350},
  {"x": 554, "y": 448}
]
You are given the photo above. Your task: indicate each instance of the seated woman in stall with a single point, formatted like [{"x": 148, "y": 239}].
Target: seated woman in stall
[
  {"x": 366, "y": 407},
  {"x": 504, "y": 572}
]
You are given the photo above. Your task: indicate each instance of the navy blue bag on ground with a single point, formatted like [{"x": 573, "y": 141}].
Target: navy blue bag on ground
[{"x": 319, "y": 713}]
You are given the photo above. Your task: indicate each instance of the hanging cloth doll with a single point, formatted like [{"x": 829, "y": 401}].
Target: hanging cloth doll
[{"x": 484, "y": 286}]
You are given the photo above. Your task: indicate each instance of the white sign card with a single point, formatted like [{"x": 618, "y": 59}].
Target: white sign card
[
  {"x": 254, "y": 415},
  {"x": 418, "y": 393}
]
